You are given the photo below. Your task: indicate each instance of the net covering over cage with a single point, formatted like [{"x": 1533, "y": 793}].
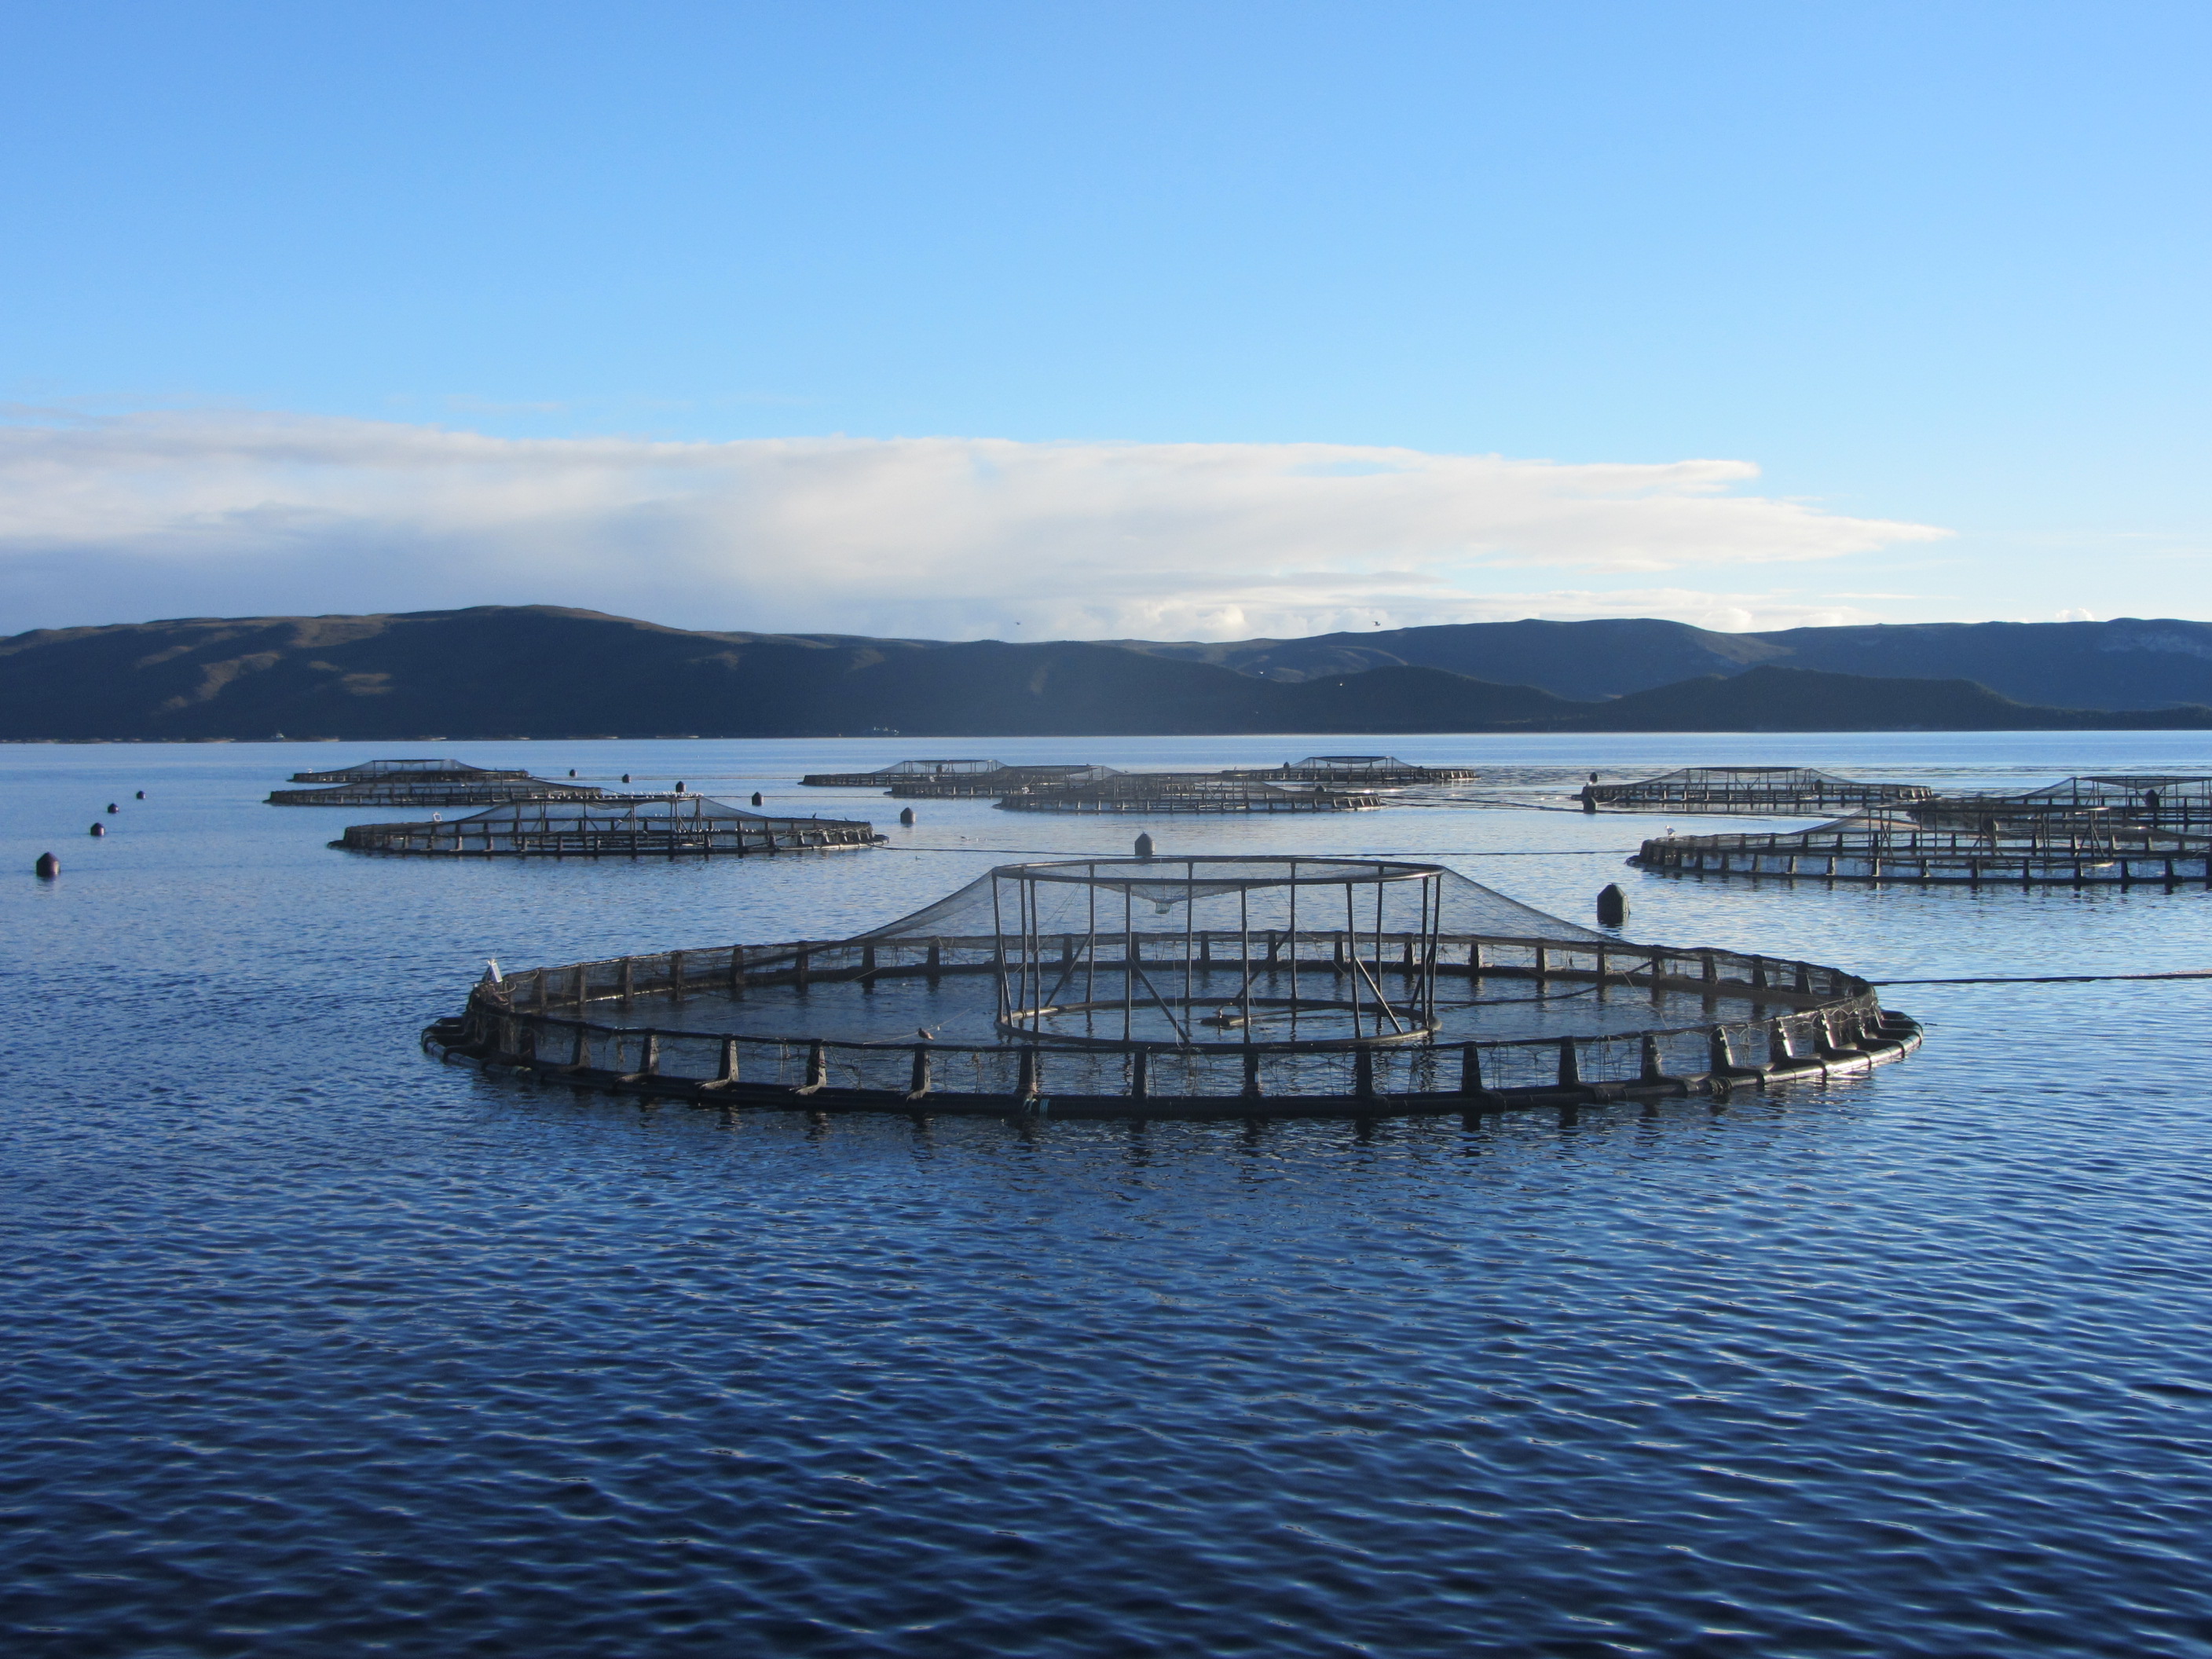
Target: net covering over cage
[
  {"x": 1785, "y": 789},
  {"x": 1186, "y": 987},
  {"x": 1968, "y": 842},
  {"x": 622, "y": 826},
  {"x": 1188, "y": 792}
]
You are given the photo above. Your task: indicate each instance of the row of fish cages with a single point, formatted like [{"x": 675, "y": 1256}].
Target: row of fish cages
[
  {"x": 1175, "y": 792},
  {"x": 1316, "y": 783},
  {"x": 1976, "y": 849},
  {"x": 632, "y": 827},
  {"x": 2173, "y": 801}
]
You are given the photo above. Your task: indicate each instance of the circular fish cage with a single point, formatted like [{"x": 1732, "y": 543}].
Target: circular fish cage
[
  {"x": 617, "y": 826},
  {"x": 2168, "y": 800},
  {"x": 424, "y": 783},
  {"x": 1793, "y": 790},
  {"x": 1185, "y": 987},
  {"x": 1359, "y": 772},
  {"x": 1964, "y": 842},
  {"x": 1186, "y": 792}
]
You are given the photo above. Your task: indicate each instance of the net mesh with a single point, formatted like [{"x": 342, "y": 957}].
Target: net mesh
[{"x": 1170, "y": 896}]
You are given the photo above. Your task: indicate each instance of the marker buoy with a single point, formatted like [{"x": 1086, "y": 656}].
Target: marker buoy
[
  {"x": 625, "y": 777},
  {"x": 48, "y": 866},
  {"x": 679, "y": 786},
  {"x": 571, "y": 771},
  {"x": 142, "y": 794},
  {"x": 757, "y": 799},
  {"x": 113, "y": 807},
  {"x": 1611, "y": 906},
  {"x": 1143, "y": 847},
  {"x": 906, "y": 815},
  {"x": 98, "y": 829}
]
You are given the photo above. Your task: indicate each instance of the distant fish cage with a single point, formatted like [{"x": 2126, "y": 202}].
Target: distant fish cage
[
  {"x": 1193, "y": 988},
  {"x": 1357, "y": 772},
  {"x": 2169, "y": 800},
  {"x": 905, "y": 771},
  {"x": 1796, "y": 790},
  {"x": 424, "y": 783},
  {"x": 1006, "y": 780},
  {"x": 1187, "y": 793},
  {"x": 637, "y": 826},
  {"x": 1958, "y": 842},
  {"x": 425, "y": 771}
]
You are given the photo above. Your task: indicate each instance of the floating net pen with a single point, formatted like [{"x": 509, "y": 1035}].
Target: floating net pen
[{"x": 1186, "y": 987}]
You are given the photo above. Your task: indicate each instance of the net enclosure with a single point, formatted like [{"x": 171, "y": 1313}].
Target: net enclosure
[
  {"x": 616, "y": 826},
  {"x": 1186, "y": 791},
  {"x": 1359, "y": 772},
  {"x": 1795, "y": 790},
  {"x": 943, "y": 779},
  {"x": 905, "y": 771},
  {"x": 424, "y": 783},
  {"x": 1969, "y": 842},
  {"x": 2170, "y": 800},
  {"x": 1192, "y": 988}
]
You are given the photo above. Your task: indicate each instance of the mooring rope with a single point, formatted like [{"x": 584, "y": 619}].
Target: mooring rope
[{"x": 2047, "y": 979}]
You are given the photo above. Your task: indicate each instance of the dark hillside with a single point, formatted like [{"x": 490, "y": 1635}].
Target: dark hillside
[{"x": 539, "y": 670}]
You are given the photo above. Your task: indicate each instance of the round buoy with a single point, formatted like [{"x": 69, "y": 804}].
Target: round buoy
[
  {"x": 1143, "y": 847},
  {"x": 625, "y": 777},
  {"x": 679, "y": 786},
  {"x": 906, "y": 815},
  {"x": 142, "y": 794},
  {"x": 48, "y": 866},
  {"x": 571, "y": 771},
  {"x": 1611, "y": 906},
  {"x": 113, "y": 807},
  {"x": 757, "y": 799},
  {"x": 98, "y": 829}
]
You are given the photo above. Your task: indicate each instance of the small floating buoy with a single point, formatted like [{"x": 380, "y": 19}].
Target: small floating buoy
[
  {"x": 47, "y": 868},
  {"x": 113, "y": 807},
  {"x": 679, "y": 786},
  {"x": 571, "y": 771},
  {"x": 98, "y": 829},
  {"x": 1611, "y": 906},
  {"x": 906, "y": 815},
  {"x": 142, "y": 794},
  {"x": 1143, "y": 847},
  {"x": 757, "y": 799}
]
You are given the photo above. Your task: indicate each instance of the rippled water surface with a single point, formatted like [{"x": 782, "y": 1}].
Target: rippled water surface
[{"x": 315, "y": 1346}]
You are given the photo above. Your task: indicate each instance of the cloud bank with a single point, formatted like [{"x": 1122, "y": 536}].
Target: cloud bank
[{"x": 132, "y": 517}]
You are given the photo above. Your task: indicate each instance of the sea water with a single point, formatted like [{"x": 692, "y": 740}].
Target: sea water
[{"x": 316, "y": 1347}]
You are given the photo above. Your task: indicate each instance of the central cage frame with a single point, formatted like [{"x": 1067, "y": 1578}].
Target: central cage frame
[{"x": 1024, "y": 963}]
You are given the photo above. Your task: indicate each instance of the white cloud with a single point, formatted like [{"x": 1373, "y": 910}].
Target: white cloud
[{"x": 225, "y": 514}]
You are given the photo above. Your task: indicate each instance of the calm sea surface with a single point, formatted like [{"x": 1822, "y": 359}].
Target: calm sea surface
[{"x": 314, "y": 1346}]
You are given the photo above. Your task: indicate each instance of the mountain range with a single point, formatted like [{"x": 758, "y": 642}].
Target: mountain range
[{"x": 541, "y": 671}]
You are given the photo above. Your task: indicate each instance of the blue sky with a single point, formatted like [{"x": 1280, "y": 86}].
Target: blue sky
[{"x": 1937, "y": 268}]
